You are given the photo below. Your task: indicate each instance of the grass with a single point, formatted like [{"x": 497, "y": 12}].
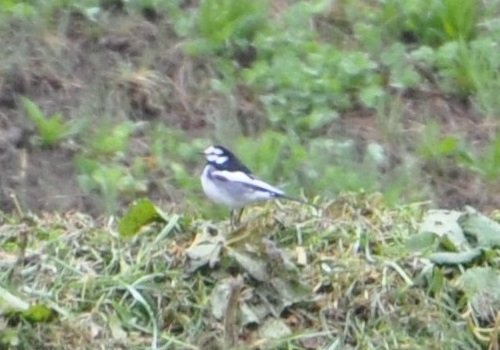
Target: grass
[
  {"x": 51, "y": 129},
  {"x": 365, "y": 288}
]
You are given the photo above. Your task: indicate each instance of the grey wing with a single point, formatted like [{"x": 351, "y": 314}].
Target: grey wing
[{"x": 240, "y": 182}]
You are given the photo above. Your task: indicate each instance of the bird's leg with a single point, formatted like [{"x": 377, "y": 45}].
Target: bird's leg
[
  {"x": 235, "y": 217},
  {"x": 238, "y": 216}
]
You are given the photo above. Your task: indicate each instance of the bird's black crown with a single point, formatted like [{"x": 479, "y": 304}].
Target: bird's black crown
[{"x": 232, "y": 163}]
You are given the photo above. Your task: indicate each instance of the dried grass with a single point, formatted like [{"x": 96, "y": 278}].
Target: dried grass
[{"x": 368, "y": 291}]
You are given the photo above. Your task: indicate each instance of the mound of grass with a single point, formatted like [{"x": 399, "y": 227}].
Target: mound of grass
[{"x": 353, "y": 273}]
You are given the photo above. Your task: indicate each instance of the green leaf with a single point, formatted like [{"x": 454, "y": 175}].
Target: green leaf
[
  {"x": 480, "y": 279},
  {"x": 371, "y": 95},
  {"x": 234, "y": 20},
  {"x": 448, "y": 145},
  {"x": 452, "y": 258},
  {"x": 141, "y": 213},
  {"x": 444, "y": 224},
  {"x": 437, "y": 281},
  {"x": 38, "y": 313},
  {"x": 32, "y": 110},
  {"x": 485, "y": 230},
  {"x": 422, "y": 241},
  {"x": 482, "y": 288}
]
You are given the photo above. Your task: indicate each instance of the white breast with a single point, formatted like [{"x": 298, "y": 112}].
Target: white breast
[{"x": 216, "y": 194}]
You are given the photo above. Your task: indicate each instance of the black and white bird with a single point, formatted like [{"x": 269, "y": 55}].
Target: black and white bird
[{"x": 226, "y": 181}]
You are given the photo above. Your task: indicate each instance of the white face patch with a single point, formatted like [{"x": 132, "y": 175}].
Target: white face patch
[
  {"x": 212, "y": 150},
  {"x": 221, "y": 160},
  {"x": 211, "y": 157},
  {"x": 216, "y": 158},
  {"x": 216, "y": 155}
]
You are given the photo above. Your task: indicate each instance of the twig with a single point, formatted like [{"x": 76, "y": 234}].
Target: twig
[
  {"x": 494, "y": 334},
  {"x": 230, "y": 329},
  {"x": 17, "y": 205}
]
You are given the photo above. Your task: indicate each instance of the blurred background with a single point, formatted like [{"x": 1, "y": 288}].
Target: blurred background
[{"x": 103, "y": 102}]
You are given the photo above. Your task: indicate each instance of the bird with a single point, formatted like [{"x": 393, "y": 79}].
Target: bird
[{"x": 227, "y": 181}]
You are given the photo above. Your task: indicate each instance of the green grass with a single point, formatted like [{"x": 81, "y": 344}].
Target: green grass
[{"x": 364, "y": 288}]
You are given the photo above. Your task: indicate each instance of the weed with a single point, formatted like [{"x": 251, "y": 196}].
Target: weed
[
  {"x": 235, "y": 24},
  {"x": 488, "y": 163},
  {"x": 113, "y": 181},
  {"x": 18, "y": 9},
  {"x": 435, "y": 22},
  {"x": 51, "y": 129},
  {"x": 402, "y": 73},
  {"x": 483, "y": 71},
  {"x": 110, "y": 140},
  {"x": 439, "y": 151},
  {"x": 435, "y": 146},
  {"x": 101, "y": 167},
  {"x": 304, "y": 92}
]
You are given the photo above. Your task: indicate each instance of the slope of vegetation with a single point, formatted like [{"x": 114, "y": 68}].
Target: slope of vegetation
[{"x": 391, "y": 96}]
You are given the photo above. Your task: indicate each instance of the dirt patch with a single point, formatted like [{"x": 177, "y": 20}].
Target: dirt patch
[
  {"x": 453, "y": 186},
  {"x": 127, "y": 68},
  {"x": 38, "y": 179}
]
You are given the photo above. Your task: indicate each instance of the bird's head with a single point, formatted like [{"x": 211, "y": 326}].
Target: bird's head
[
  {"x": 222, "y": 158},
  {"x": 217, "y": 155}
]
